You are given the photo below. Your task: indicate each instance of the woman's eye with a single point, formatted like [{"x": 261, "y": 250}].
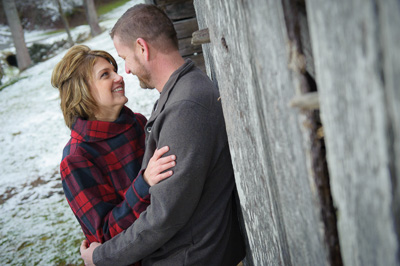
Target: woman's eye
[{"x": 104, "y": 74}]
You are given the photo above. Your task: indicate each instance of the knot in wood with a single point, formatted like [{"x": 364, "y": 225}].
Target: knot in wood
[{"x": 223, "y": 42}]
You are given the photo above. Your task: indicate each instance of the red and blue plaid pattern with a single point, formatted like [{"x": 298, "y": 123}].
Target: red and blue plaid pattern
[{"x": 98, "y": 171}]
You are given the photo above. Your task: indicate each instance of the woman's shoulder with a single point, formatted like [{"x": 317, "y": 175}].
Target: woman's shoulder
[
  {"x": 137, "y": 116},
  {"x": 141, "y": 118},
  {"x": 77, "y": 148}
]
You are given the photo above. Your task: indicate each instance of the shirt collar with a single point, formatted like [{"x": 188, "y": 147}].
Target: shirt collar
[{"x": 92, "y": 131}]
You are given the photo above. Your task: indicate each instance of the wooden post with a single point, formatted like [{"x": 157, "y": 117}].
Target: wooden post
[
  {"x": 308, "y": 101},
  {"x": 357, "y": 64},
  {"x": 200, "y": 37},
  {"x": 247, "y": 58}
]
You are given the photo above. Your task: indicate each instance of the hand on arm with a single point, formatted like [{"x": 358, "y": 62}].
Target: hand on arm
[
  {"x": 156, "y": 169},
  {"x": 174, "y": 200},
  {"x": 92, "y": 198}
]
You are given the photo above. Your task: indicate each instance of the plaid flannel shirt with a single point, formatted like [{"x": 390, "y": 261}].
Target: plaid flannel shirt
[{"x": 98, "y": 170}]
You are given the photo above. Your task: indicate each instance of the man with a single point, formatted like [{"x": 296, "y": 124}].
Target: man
[{"x": 192, "y": 217}]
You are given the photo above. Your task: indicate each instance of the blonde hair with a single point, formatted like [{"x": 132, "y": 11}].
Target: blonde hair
[{"x": 72, "y": 76}]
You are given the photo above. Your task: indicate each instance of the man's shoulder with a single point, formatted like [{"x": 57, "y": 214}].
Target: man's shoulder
[
  {"x": 195, "y": 86},
  {"x": 195, "y": 74}
]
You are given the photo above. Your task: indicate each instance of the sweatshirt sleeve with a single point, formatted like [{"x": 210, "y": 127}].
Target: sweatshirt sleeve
[
  {"x": 94, "y": 202},
  {"x": 174, "y": 200}
]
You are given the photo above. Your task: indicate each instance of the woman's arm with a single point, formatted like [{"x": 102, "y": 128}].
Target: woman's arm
[{"x": 95, "y": 204}]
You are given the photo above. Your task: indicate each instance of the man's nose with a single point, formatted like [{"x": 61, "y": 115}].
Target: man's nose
[{"x": 127, "y": 70}]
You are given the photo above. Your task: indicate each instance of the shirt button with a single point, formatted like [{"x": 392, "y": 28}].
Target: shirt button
[{"x": 148, "y": 129}]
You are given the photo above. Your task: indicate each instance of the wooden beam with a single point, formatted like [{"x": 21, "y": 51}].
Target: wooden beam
[
  {"x": 307, "y": 101},
  {"x": 201, "y": 37},
  {"x": 177, "y": 10},
  {"x": 185, "y": 28},
  {"x": 166, "y": 2},
  {"x": 186, "y": 48}
]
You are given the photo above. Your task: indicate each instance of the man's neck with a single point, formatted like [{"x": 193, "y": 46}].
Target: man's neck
[{"x": 164, "y": 66}]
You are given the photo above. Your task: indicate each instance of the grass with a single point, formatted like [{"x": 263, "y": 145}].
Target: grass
[
  {"x": 54, "y": 31},
  {"x": 101, "y": 10},
  {"x": 11, "y": 82}
]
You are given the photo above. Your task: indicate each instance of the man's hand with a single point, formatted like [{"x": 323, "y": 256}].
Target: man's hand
[{"x": 87, "y": 252}]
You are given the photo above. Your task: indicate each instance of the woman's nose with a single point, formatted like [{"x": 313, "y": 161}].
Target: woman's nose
[{"x": 118, "y": 78}]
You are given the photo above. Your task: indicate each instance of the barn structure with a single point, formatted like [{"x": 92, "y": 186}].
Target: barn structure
[{"x": 311, "y": 97}]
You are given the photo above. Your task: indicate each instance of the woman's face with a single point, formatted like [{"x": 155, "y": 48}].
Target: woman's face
[{"x": 108, "y": 90}]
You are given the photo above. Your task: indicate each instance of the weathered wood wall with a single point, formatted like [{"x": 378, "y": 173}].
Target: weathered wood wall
[
  {"x": 247, "y": 56},
  {"x": 256, "y": 57},
  {"x": 356, "y": 46}
]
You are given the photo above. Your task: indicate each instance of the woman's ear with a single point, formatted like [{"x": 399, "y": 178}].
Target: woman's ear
[{"x": 143, "y": 48}]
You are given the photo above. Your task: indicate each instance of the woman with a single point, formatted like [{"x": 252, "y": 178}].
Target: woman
[{"x": 101, "y": 162}]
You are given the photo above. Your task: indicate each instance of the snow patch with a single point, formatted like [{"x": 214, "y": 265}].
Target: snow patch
[{"x": 37, "y": 225}]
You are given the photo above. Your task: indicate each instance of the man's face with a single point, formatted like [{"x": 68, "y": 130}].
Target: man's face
[{"x": 134, "y": 59}]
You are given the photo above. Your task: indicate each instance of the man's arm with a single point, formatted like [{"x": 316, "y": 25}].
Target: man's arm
[
  {"x": 187, "y": 128},
  {"x": 93, "y": 203}
]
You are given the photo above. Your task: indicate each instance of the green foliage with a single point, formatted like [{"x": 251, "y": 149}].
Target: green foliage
[
  {"x": 11, "y": 82},
  {"x": 39, "y": 51},
  {"x": 54, "y": 32},
  {"x": 110, "y": 6}
]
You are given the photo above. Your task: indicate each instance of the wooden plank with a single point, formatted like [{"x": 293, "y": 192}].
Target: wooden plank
[
  {"x": 186, "y": 47},
  {"x": 247, "y": 59},
  {"x": 357, "y": 65},
  {"x": 185, "y": 28},
  {"x": 390, "y": 20},
  {"x": 166, "y": 2},
  {"x": 179, "y": 10},
  {"x": 201, "y": 37},
  {"x": 308, "y": 101},
  {"x": 306, "y": 42}
]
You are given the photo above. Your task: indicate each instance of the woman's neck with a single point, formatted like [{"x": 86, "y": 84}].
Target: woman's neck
[{"x": 108, "y": 115}]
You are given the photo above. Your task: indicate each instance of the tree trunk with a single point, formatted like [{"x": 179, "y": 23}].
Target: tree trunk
[
  {"x": 65, "y": 22},
  {"x": 23, "y": 58},
  {"x": 91, "y": 16}
]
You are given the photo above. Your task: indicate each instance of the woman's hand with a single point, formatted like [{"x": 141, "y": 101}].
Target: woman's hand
[{"x": 156, "y": 169}]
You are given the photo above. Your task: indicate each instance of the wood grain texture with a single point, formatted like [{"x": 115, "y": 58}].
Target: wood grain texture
[
  {"x": 185, "y": 28},
  {"x": 247, "y": 59},
  {"x": 186, "y": 48},
  {"x": 177, "y": 10},
  {"x": 356, "y": 52}
]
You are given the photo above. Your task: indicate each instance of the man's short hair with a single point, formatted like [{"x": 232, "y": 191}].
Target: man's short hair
[{"x": 149, "y": 23}]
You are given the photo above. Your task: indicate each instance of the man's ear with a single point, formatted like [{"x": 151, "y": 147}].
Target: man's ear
[{"x": 143, "y": 48}]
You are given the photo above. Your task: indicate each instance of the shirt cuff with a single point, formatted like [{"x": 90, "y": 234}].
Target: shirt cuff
[{"x": 140, "y": 186}]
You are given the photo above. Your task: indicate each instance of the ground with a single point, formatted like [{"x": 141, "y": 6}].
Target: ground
[{"x": 37, "y": 226}]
